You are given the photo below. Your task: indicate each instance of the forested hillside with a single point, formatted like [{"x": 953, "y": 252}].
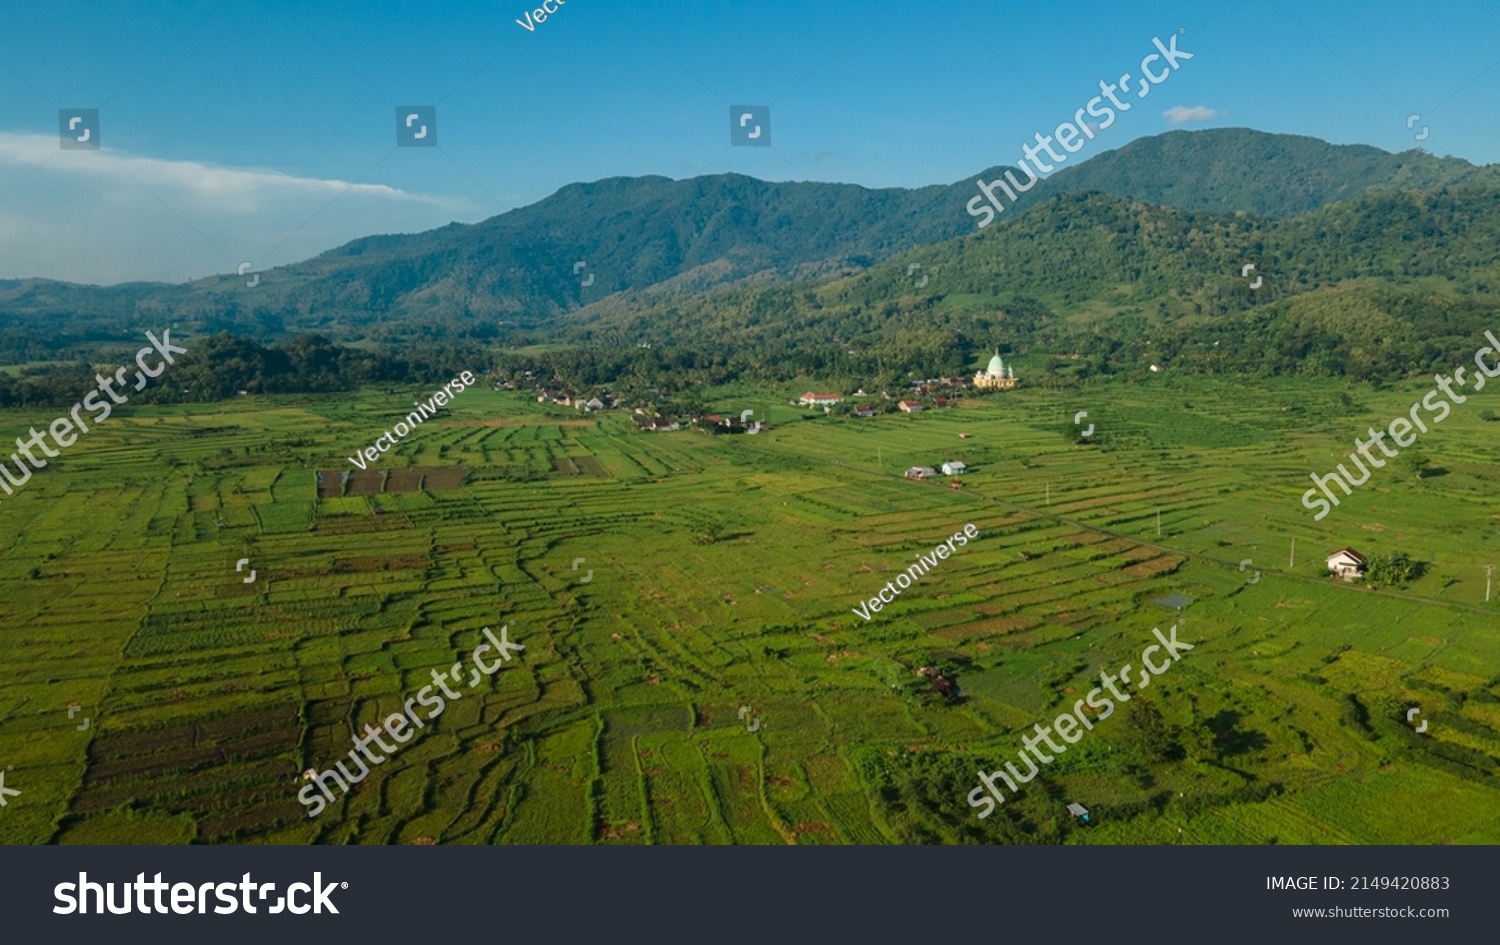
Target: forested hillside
[
  {"x": 1225, "y": 170},
  {"x": 649, "y": 242},
  {"x": 1379, "y": 286}
]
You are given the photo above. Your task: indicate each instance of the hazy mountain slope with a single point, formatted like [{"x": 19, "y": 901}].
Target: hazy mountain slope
[{"x": 651, "y": 235}]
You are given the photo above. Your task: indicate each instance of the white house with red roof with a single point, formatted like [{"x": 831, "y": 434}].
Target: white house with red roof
[{"x": 1348, "y": 564}]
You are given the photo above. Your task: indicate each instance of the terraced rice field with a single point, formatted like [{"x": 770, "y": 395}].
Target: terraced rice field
[{"x": 662, "y": 582}]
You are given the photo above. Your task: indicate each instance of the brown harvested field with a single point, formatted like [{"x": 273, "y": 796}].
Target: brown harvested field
[
  {"x": 136, "y": 743},
  {"x": 270, "y": 731},
  {"x": 444, "y": 477},
  {"x": 331, "y": 483},
  {"x": 215, "y": 730},
  {"x": 366, "y": 482},
  {"x": 564, "y": 466},
  {"x": 152, "y": 766},
  {"x": 425, "y": 478},
  {"x": 1115, "y": 546},
  {"x": 207, "y": 781},
  {"x": 404, "y": 480},
  {"x": 1155, "y": 566}
]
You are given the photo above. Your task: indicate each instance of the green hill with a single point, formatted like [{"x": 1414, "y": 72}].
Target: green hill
[
  {"x": 644, "y": 238},
  {"x": 1225, "y": 170},
  {"x": 1123, "y": 283}
]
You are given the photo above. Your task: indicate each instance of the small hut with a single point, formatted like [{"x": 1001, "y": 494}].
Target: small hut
[{"x": 1347, "y": 564}]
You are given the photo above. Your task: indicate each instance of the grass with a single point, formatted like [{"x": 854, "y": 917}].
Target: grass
[{"x": 620, "y": 724}]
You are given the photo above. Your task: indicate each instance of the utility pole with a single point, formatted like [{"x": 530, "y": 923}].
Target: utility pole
[
  {"x": 1158, "y": 523},
  {"x": 1293, "y": 563}
]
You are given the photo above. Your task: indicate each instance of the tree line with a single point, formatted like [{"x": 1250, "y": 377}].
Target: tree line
[{"x": 223, "y": 365}]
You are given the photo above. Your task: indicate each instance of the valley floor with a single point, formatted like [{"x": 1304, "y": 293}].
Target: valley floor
[{"x": 661, "y": 582}]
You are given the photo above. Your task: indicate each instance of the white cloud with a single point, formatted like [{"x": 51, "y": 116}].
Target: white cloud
[
  {"x": 1181, "y": 114},
  {"x": 107, "y": 216}
]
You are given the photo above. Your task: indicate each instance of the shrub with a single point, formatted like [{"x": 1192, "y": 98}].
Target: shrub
[{"x": 1398, "y": 567}]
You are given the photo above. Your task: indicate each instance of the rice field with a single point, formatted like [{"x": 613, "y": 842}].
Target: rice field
[{"x": 667, "y": 584}]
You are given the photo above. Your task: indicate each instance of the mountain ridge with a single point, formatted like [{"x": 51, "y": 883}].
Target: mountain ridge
[{"x": 644, "y": 237}]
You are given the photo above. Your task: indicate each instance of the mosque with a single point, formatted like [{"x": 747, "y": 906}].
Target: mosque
[{"x": 997, "y": 376}]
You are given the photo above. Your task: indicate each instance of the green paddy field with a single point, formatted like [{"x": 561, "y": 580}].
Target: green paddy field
[{"x": 724, "y": 570}]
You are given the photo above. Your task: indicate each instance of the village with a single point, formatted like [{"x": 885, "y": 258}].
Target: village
[
  {"x": 654, "y": 415},
  {"x": 936, "y": 393}
]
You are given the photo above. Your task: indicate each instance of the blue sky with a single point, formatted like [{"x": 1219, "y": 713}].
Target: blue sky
[{"x": 265, "y": 133}]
